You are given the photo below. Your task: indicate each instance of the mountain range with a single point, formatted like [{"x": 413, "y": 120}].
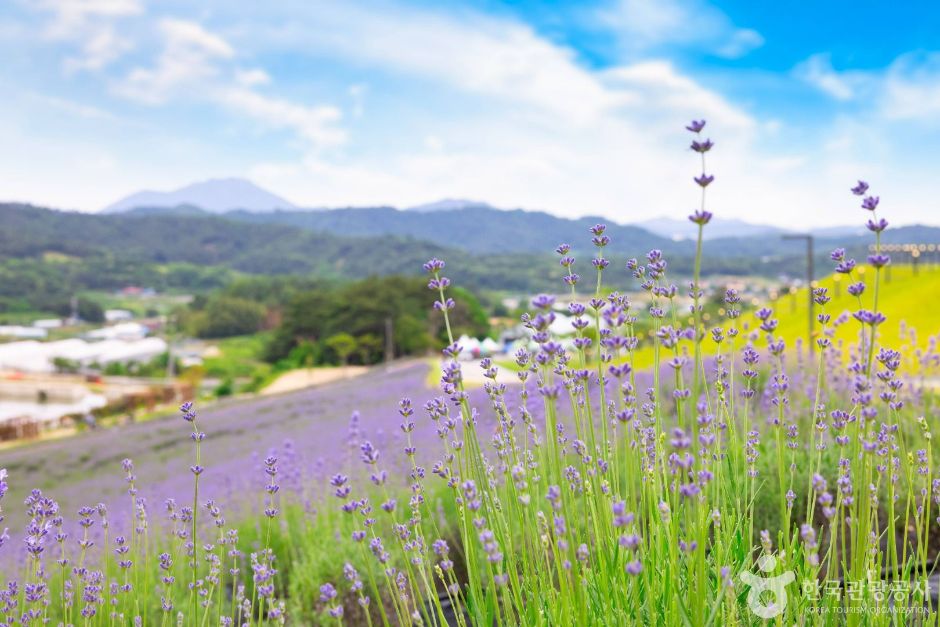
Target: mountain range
[
  {"x": 480, "y": 229},
  {"x": 46, "y": 255},
  {"x": 214, "y": 196},
  {"x": 243, "y": 200}
]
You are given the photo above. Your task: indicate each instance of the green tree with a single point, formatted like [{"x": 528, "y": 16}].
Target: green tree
[
  {"x": 370, "y": 348},
  {"x": 224, "y": 316},
  {"x": 343, "y": 345},
  {"x": 362, "y": 310}
]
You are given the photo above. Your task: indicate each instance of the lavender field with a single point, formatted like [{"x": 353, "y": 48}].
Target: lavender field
[
  {"x": 309, "y": 426},
  {"x": 739, "y": 480}
]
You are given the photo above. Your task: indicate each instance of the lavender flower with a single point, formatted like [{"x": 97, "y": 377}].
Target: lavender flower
[{"x": 860, "y": 189}]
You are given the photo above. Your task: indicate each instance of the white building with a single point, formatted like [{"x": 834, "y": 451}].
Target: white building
[
  {"x": 118, "y": 315},
  {"x": 122, "y": 331},
  {"x": 48, "y": 323},
  {"x": 32, "y": 356},
  {"x": 22, "y": 333}
]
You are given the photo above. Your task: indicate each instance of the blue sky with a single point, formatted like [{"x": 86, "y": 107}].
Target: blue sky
[{"x": 571, "y": 107}]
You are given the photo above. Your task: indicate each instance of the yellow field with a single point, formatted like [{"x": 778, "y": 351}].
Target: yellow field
[{"x": 911, "y": 303}]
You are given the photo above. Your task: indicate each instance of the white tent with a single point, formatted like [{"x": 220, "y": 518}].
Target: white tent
[
  {"x": 117, "y": 315},
  {"x": 28, "y": 356},
  {"x": 123, "y": 331},
  {"x": 469, "y": 347},
  {"x": 32, "y": 356},
  {"x": 561, "y": 326},
  {"x": 48, "y": 323},
  {"x": 489, "y": 346},
  {"x": 32, "y": 333},
  {"x": 141, "y": 351}
]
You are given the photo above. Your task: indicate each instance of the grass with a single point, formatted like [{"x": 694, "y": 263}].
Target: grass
[
  {"x": 158, "y": 304},
  {"x": 590, "y": 493},
  {"x": 907, "y": 300},
  {"x": 240, "y": 359}
]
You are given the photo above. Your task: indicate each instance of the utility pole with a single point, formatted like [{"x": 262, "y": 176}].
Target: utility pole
[
  {"x": 389, "y": 339},
  {"x": 170, "y": 364},
  {"x": 809, "y": 282}
]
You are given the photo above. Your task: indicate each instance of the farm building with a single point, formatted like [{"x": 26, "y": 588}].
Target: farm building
[
  {"x": 22, "y": 333},
  {"x": 33, "y": 356}
]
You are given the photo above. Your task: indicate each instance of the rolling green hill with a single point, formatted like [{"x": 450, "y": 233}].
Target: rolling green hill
[{"x": 908, "y": 300}]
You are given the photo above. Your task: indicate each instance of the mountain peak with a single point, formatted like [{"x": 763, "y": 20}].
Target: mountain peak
[
  {"x": 677, "y": 230},
  {"x": 450, "y": 204},
  {"x": 213, "y": 195}
]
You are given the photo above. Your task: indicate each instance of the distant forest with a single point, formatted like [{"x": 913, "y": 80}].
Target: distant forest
[{"x": 46, "y": 256}]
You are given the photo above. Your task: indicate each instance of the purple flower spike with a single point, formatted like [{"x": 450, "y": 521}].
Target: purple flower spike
[
  {"x": 704, "y": 180},
  {"x": 846, "y": 267},
  {"x": 877, "y": 226},
  {"x": 860, "y": 189},
  {"x": 543, "y": 301},
  {"x": 702, "y": 147},
  {"x": 433, "y": 265},
  {"x": 327, "y": 593},
  {"x": 879, "y": 261},
  {"x": 856, "y": 289},
  {"x": 368, "y": 453},
  {"x": 696, "y": 126},
  {"x": 189, "y": 414},
  {"x": 701, "y": 217},
  {"x": 868, "y": 317},
  {"x": 870, "y": 203}
]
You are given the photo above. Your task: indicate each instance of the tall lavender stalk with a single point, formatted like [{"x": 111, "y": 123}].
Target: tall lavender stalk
[
  {"x": 700, "y": 217},
  {"x": 529, "y": 518},
  {"x": 189, "y": 415}
]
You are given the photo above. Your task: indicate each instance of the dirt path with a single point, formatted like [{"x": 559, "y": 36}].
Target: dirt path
[{"x": 309, "y": 377}]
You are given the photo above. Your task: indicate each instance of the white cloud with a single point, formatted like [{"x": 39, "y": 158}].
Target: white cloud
[
  {"x": 71, "y": 16},
  {"x": 534, "y": 129},
  {"x": 77, "y": 109},
  {"x": 492, "y": 57},
  {"x": 358, "y": 94},
  {"x": 818, "y": 72},
  {"x": 651, "y": 24},
  {"x": 317, "y": 125},
  {"x": 252, "y": 77},
  {"x": 742, "y": 41},
  {"x": 911, "y": 89},
  {"x": 465, "y": 104},
  {"x": 192, "y": 64},
  {"x": 100, "y": 49},
  {"x": 189, "y": 58},
  {"x": 656, "y": 86},
  {"x": 90, "y": 24},
  {"x": 907, "y": 90}
]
